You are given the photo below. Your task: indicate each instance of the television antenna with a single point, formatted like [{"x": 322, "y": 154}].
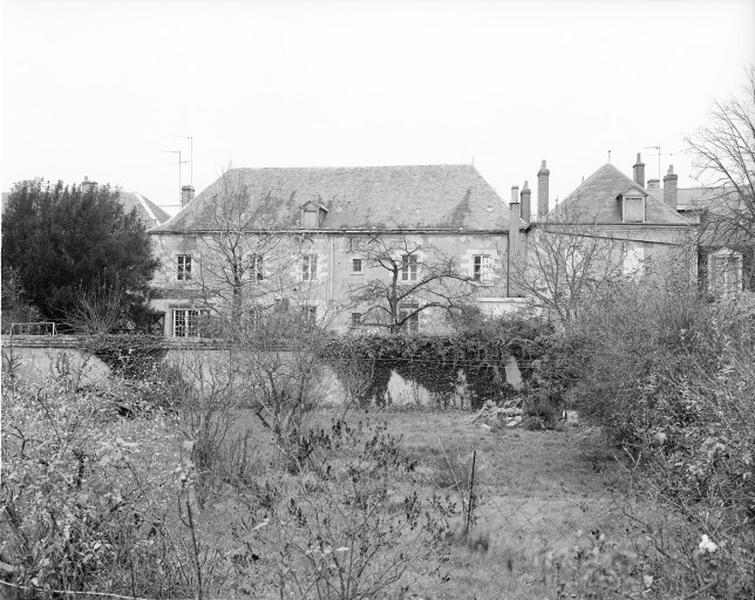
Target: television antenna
[
  {"x": 191, "y": 156},
  {"x": 179, "y": 163},
  {"x": 658, "y": 151}
]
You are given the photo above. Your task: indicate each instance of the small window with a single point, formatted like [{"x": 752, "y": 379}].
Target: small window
[
  {"x": 409, "y": 267},
  {"x": 310, "y": 218},
  {"x": 725, "y": 272},
  {"x": 634, "y": 210},
  {"x": 409, "y": 316},
  {"x": 481, "y": 272},
  {"x": 309, "y": 267},
  {"x": 254, "y": 266},
  {"x": 356, "y": 265},
  {"x": 183, "y": 267},
  {"x": 308, "y": 314},
  {"x": 186, "y": 321},
  {"x": 356, "y": 319}
]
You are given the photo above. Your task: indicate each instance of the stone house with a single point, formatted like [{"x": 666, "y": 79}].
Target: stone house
[
  {"x": 328, "y": 244},
  {"x": 610, "y": 205}
]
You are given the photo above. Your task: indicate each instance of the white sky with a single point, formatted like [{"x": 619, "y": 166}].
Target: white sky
[{"x": 101, "y": 88}]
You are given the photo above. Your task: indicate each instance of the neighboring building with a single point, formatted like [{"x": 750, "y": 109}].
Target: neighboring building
[
  {"x": 147, "y": 211},
  {"x": 304, "y": 239},
  {"x": 726, "y": 252}
]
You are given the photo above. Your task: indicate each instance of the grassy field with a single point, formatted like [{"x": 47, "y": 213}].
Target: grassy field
[{"x": 540, "y": 492}]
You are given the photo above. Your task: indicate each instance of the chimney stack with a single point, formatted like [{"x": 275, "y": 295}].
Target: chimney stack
[
  {"x": 87, "y": 186},
  {"x": 514, "y": 221},
  {"x": 525, "y": 196},
  {"x": 542, "y": 191},
  {"x": 654, "y": 184},
  {"x": 669, "y": 188},
  {"x": 187, "y": 195},
  {"x": 639, "y": 171}
]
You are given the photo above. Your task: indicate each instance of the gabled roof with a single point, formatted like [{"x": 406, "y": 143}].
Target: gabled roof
[
  {"x": 595, "y": 201},
  {"x": 439, "y": 197},
  {"x": 148, "y": 212}
]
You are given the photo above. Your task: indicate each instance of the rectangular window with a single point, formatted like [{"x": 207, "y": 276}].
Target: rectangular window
[
  {"x": 186, "y": 321},
  {"x": 356, "y": 265},
  {"x": 183, "y": 270},
  {"x": 634, "y": 210},
  {"x": 308, "y": 314},
  {"x": 408, "y": 267},
  {"x": 254, "y": 265},
  {"x": 481, "y": 269},
  {"x": 356, "y": 319},
  {"x": 309, "y": 267},
  {"x": 409, "y": 317},
  {"x": 725, "y": 272}
]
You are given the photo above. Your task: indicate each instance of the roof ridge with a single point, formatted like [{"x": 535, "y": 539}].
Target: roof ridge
[{"x": 352, "y": 167}]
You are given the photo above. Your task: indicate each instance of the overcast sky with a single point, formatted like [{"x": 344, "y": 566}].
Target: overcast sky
[{"x": 101, "y": 88}]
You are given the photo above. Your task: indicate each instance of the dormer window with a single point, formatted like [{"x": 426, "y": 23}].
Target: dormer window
[
  {"x": 312, "y": 215},
  {"x": 633, "y": 209}
]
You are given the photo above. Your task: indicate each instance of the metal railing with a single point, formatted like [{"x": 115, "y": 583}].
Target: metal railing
[{"x": 33, "y": 328}]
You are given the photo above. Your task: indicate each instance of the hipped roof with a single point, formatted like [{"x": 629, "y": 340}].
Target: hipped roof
[
  {"x": 436, "y": 197},
  {"x": 594, "y": 201}
]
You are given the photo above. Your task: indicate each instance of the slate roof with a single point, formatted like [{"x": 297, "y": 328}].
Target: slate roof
[
  {"x": 595, "y": 201},
  {"x": 149, "y": 213},
  {"x": 438, "y": 197}
]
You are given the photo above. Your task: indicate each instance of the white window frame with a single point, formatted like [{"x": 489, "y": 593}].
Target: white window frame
[
  {"x": 188, "y": 321},
  {"x": 409, "y": 267},
  {"x": 725, "y": 272},
  {"x": 183, "y": 267},
  {"x": 360, "y": 270},
  {"x": 482, "y": 272},
  {"x": 309, "y": 267}
]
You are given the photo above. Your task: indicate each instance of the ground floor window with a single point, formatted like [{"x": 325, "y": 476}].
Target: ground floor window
[
  {"x": 186, "y": 321},
  {"x": 409, "y": 317}
]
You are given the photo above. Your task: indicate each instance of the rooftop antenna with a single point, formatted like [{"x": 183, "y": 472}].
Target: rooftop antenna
[
  {"x": 179, "y": 163},
  {"x": 191, "y": 156},
  {"x": 658, "y": 150}
]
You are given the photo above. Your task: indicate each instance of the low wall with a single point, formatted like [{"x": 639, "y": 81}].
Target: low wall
[{"x": 36, "y": 358}]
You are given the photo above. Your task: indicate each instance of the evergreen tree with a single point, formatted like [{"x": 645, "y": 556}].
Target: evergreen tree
[{"x": 65, "y": 242}]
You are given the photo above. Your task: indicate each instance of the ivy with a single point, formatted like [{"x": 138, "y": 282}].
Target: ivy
[
  {"x": 365, "y": 363},
  {"x": 128, "y": 355}
]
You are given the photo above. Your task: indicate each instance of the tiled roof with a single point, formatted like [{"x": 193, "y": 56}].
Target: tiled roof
[
  {"x": 595, "y": 201},
  {"x": 149, "y": 213},
  {"x": 449, "y": 197}
]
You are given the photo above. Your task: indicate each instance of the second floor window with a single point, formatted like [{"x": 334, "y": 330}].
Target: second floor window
[
  {"x": 309, "y": 267},
  {"x": 356, "y": 265},
  {"x": 183, "y": 267},
  {"x": 481, "y": 269},
  {"x": 408, "y": 267},
  {"x": 356, "y": 319}
]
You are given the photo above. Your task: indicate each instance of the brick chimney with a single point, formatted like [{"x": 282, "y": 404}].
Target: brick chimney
[
  {"x": 525, "y": 196},
  {"x": 87, "y": 186},
  {"x": 639, "y": 171},
  {"x": 669, "y": 188},
  {"x": 542, "y": 191},
  {"x": 187, "y": 195}
]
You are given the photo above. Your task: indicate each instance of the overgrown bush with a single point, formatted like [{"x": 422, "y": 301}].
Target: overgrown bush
[
  {"x": 671, "y": 377},
  {"x": 130, "y": 356}
]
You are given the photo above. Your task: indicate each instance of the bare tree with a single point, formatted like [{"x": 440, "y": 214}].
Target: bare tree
[
  {"x": 724, "y": 152},
  {"x": 410, "y": 278},
  {"x": 100, "y": 309},
  {"x": 566, "y": 265}
]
